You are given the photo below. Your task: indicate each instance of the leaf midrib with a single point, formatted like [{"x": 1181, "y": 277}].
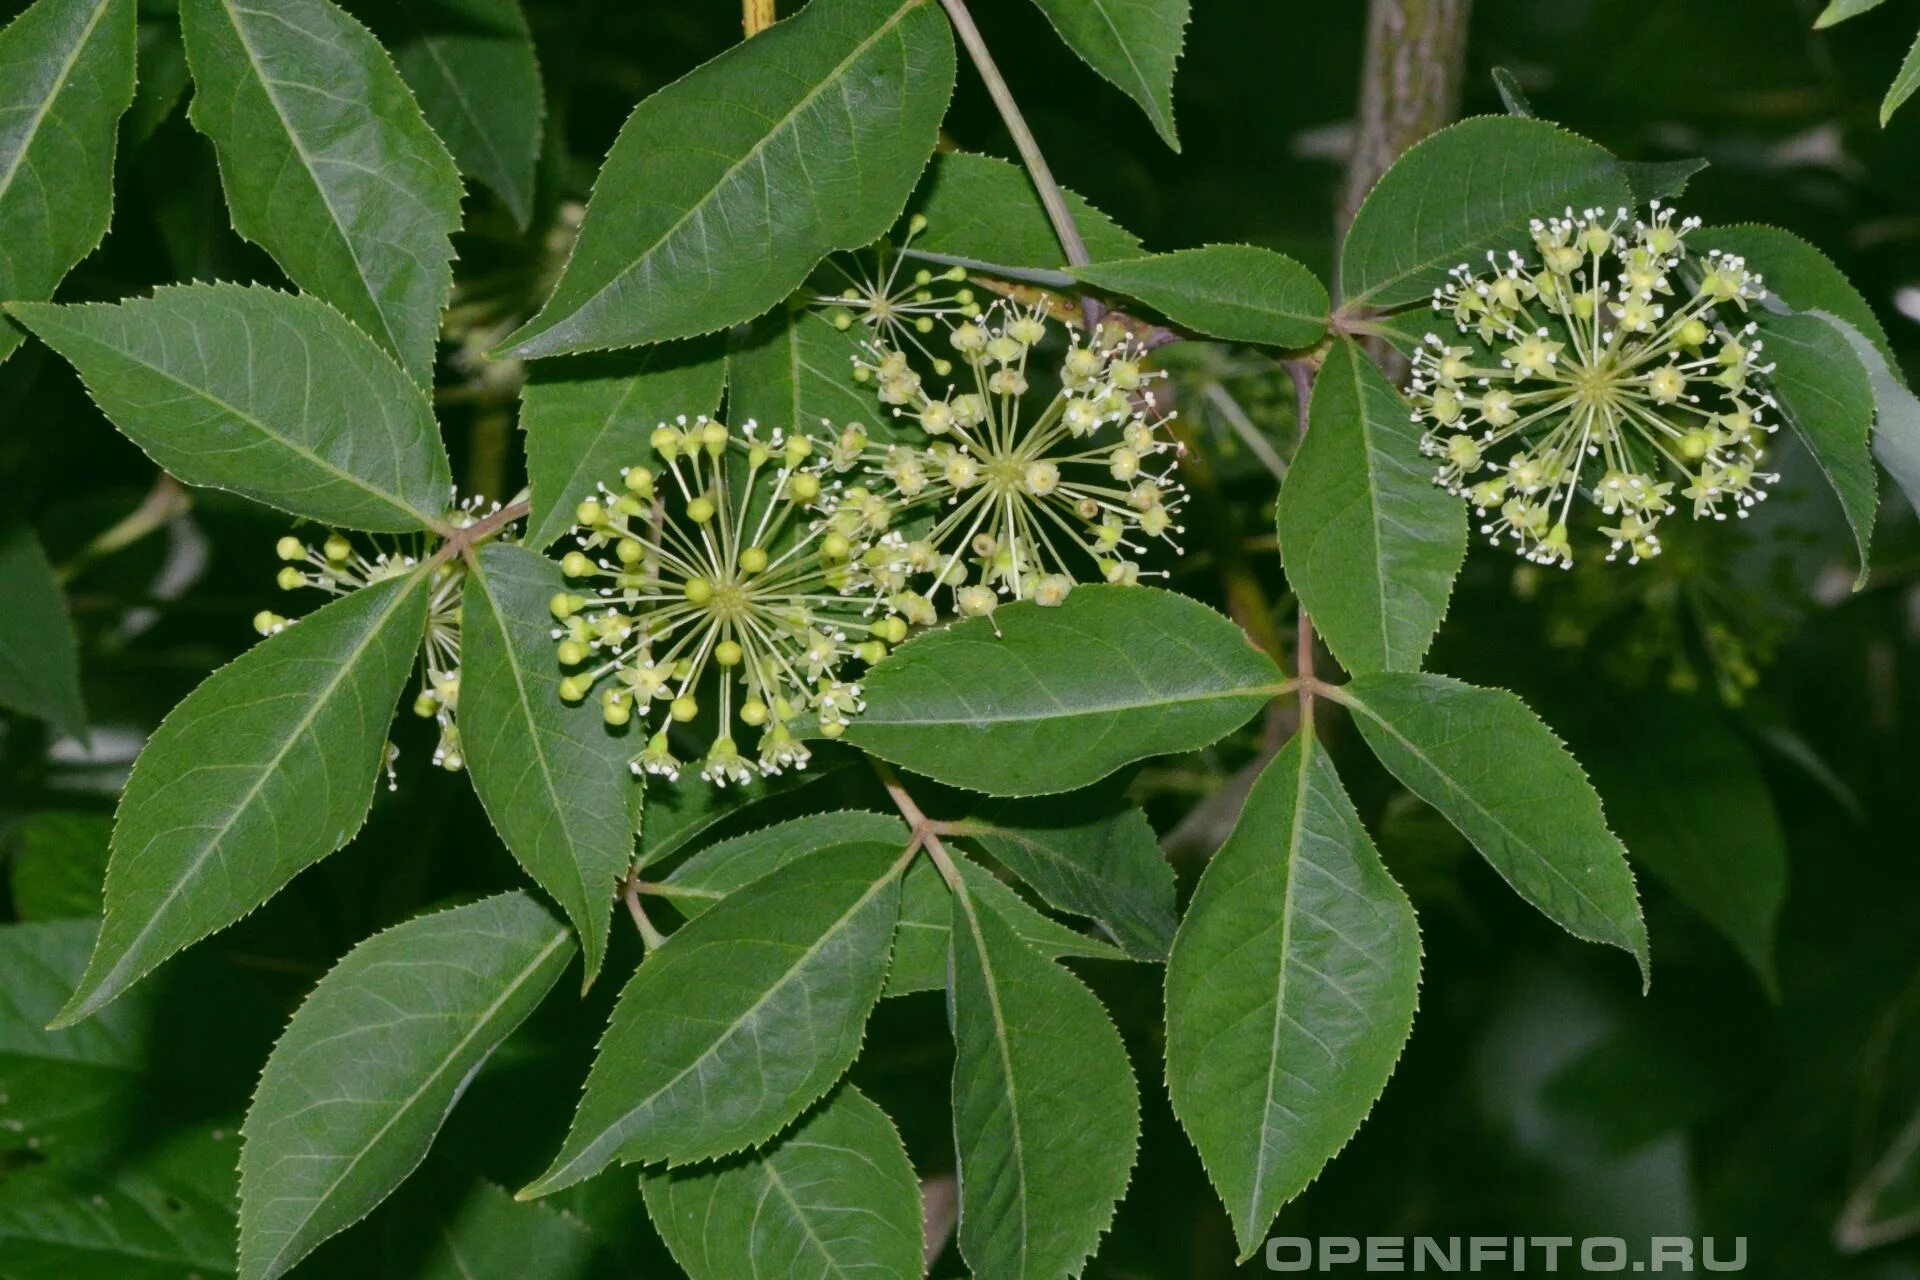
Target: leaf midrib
[
  {"x": 963, "y": 898},
  {"x": 1280, "y": 989},
  {"x": 59, "y": 86},
  {"x": 1267, "y": 690}
]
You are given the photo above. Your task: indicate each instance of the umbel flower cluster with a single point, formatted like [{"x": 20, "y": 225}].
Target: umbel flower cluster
[
  {"x": 1604, "y": 366},
  {"x": 734, "y": 582},
  {"x": 337, "y": 567}
]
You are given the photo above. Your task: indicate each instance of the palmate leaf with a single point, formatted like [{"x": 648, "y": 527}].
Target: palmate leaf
[
  {"x": 1062, "y": 696},
  {"x": 1236, "y": 292},
  {"x": 923, "y": 941},
  {"x": 264, "y": 769},
  {"x": 1046, "y": 1116},
  {"x": 471, "y": 64},
  {"x": 834, "y": 1196},
  {"x": 93, "y": 1188},
  {"x": 589, "y": 417},
  {"x": 1494, "y": 771},
  {"x": 327, "y": 163},
  {"x": 66, "y": 76},
  {"x": 1290, "y": 991},
  {"x": 985, "y": 209},
  {"x": 39, "y": 656},
  {"x": 1463, "y": 191},
  {"x": 269, "y": 394},
  {"x": 793, "y": 370},
  {"x": 553, "y": 778},
  {"x": 1134, "y": 44},
  {"x": 1087, "y": 855},
  {"x": 812, "y": 136},
  {"x": 1371, "y": 544},
  {"x": 373, "y": 1061},
  {"x": 743, "y": 1018}
]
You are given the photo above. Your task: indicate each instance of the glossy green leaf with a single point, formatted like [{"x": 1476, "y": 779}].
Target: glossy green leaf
[
  {"x": 1236, "y": 292},
  {"x": 98, "y": 1183},
  {"x": 835, "y": 1196},
  {"x": 39, "y": 656},
  {"x": 985, "y": 209},
  {"x": 1371, "y": 544},
  {"x": 812, "y": 135},
  {"x": 794, "y": 370},
  {"x": 1896, "y": 427},
  {"x": 355, "y": 1091},
  {"x": 1494, "y": 771},
  {"x": 1133, "y": 44},
  {"x": 923, "y": 940},
  {"x": 260, "y": 772},
  {"x": 1905, "y": 81},
  {"x": 729, "y": 865},
  {"x": 742, "y": 1020},
  {"x": 1691, "y": 804},
  {"x": 1046, "y": 1116},
  {"x": 471, "y": 64},
  {"x": 553, "y": 778},
  {"x": 272, "y": 395},
  {"x": 1795, "y": 274},
  {"x": 1465, "y": 190},
  {"x": 1824, "y": 394},
  {"x": 1838, "y": 11},
  {"x": 57, "y": 862},
  {"x": 1089, "y": 856},
  {"x": 66, "y": 76},
  {"x": 589, "y": 417},
  {"x": 1062, "y": 696},
  {"x": 1290, "y": 991},
  {"x": 328, "y": 164}
]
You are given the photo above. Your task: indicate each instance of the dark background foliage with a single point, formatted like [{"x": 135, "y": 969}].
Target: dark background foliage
[{"x": 1540, "y": 1094}]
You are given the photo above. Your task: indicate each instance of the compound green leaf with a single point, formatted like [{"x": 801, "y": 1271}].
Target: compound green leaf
[
  {"x": 923, "y": 941},
  {"x": 263, "y": 770},
  {"x": 1463, "y": 191},
  {"x": 812, "y": 135},
  {"x": 1236, "y": 292},
  {"x": 1090, "y": 856},
  {"x": 1896, "y": 429},
  {"x": 1133, "y": 44},
  {"x": 272, "y": 395},
  {"x": 1290, "y": 991},
  {"x": 328, "y": 164},
  {"x": 472, "y": 66},
  {"x": 57, "y": 863},
  {"x": 66, "y": 77},
  {"x": 984, "y": 209},
  {"x": 1371, "y": 544},
  {"x": 372, "y": 1062},
  {"x": 729, "y": 865},
  {"x": 39, "y": 656},
  {"x": 742, "y": 1020},
  {"x": 1062, "y": 697},
  {"x": 794, "y": 370},
  {"x": 553, "y": 778},
  {"x": 1838, "y": 11},
  {"x": 1494, "y": 771},
  {"x": 835, "y": 1196},
  {"x": 1046, "y": 1116},
  {"x": 1904, "y": 83},
  {"x": 1824, "y": 394},
  {"x": 588, "y": 417}
]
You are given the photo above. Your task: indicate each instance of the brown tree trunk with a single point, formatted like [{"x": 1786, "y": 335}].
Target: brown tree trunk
[{"x": 1409, "y": 86}]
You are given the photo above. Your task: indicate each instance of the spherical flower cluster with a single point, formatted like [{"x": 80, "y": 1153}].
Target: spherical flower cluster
[
  {"x": 729, "y": 559},
  {"x": 1602, "y": 367},
  {"x": 1025, "y": 499},
  {"x": 337, "y": 567},
  {"x": 898, "y": 308}
]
